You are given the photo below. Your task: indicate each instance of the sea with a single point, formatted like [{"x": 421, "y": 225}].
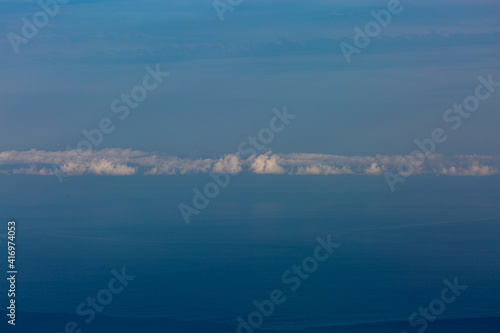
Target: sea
[{"x": 423, "y": 258}]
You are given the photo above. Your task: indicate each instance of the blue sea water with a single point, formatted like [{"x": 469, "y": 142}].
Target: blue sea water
[{"x": 396, "y": 250}]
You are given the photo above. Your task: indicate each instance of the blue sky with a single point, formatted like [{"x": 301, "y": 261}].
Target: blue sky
[{"x": 227, "y": 76}]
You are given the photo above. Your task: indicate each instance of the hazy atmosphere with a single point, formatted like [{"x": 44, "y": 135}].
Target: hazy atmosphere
[{"x": 250, "y": 166}]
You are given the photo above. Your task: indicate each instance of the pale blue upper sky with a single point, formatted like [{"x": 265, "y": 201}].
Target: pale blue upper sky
[{"x": 226, "y": 76}]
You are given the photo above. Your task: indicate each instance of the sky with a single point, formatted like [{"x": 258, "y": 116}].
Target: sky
[
  {"x": 225, "y": 78},
  {"x": 177, "y": 96}
]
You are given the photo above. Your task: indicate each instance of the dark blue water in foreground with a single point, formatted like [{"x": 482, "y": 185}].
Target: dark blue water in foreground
[{"x": 396, "y": 251}]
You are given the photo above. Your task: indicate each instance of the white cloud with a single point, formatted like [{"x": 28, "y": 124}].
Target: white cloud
[
  {"x": 323, "y": 170},
  {"x": 32, "y": 170},
  {"x": 104, "y": 167},
  {"x": 374, "y": 169},
  {"x": 230, "y": 163},
  {"x": 475, "y": 169},
  {"x": 266, "y": 164},
  {"x": 122, "y": 162}
]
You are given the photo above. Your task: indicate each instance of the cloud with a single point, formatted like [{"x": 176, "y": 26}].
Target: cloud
[
  {"x": 266, "y": 164},
  {"x": 126, "y": 162},
  {"x": 323, "y": 170},
  {"x": 475, "y": 169},
  {"x": 173, "y": 165},
  {"x": 228, "y": 164},
  {"x": 32, "y": 170},
  {"x": 374, "y": 169},
  {"x": 104, "y": 167}
]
